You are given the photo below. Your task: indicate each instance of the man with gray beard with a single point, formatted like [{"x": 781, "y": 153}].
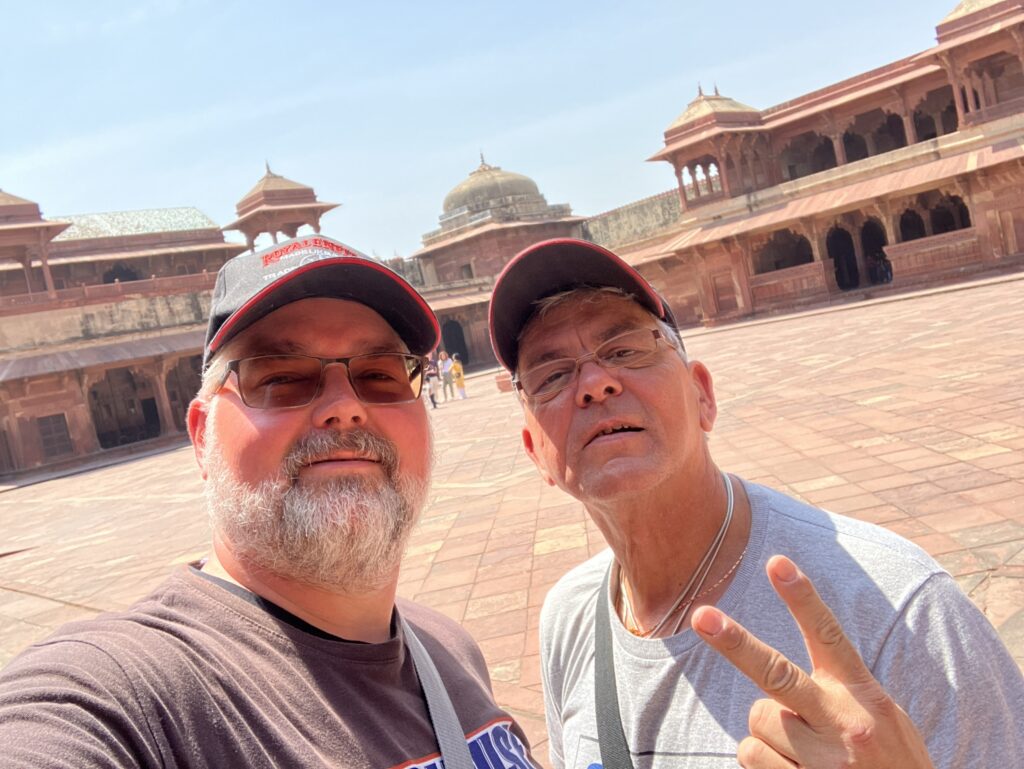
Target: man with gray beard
[{"x": 287, "y": 646}]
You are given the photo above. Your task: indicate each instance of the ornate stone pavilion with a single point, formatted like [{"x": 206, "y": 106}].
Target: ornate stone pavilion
[
  {"x": 917, "y": 166},
  {"x": 102, "y": 320},
  {"x": 486, "y": 220},
  {"x": 921, "y": 161}
]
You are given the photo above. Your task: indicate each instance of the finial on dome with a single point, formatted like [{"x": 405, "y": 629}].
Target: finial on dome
[
  {"x": 700, "y": 91},
  {"x": 716, "y": 90},
  {"x": 266, "y": 164},
  {"x": 482, "y": 161}
]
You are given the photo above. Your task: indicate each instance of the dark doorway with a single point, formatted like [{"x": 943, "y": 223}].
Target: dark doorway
[
  {"x": 783, "y": 250},
  {"x": 120, "y": 272},
  {"x": 6, "y": 460},
  {"x": 841, "y": 250},
  {"x": 942, "y": 220},
  {"x": 873, "y": 243},
  {"x": 123, "y": 409},
  {"x": 855, "y": 145},
  {"x": 824, "y": 156},
  {"x": 182, "y": 385},
  {"x": 455, "y": 340},
  {"x": 911, "y": 226}
]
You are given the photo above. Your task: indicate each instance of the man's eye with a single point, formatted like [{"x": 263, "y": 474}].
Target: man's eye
[
  {"x": 553, "y": 377},
  {"x": 282, "y": 378},
  {"x": 380, "y": 375},
  {"x": 620, "y": 354}
]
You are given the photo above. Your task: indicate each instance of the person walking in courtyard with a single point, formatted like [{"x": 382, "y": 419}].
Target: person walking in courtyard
[
  {"x": 446, "y": 364},
  {"x": 287, "y": 647},
  {"x": 433, "y": 382},
  {"x": 671, "y": 648},
  {"x": 459, "y": 376}
]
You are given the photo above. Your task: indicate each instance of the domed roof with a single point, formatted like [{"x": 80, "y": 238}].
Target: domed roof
[
  {"x": 966, "y": 8},
  {"x": 488, "y": 183},
  {"x": 716, "y": 104}
]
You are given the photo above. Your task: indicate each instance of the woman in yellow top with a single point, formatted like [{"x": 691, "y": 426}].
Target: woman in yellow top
[{"x": 459, "y": 376}]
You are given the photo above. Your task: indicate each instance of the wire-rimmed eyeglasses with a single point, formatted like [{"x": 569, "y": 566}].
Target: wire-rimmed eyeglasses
[
  {"x": 633, "y": 349},
  {"x": 290, "y": 381}
]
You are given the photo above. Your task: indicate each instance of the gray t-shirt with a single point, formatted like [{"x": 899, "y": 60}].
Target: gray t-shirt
[
  {"x": 196, "y": 675},
  {"x": 683, "y": 705}
]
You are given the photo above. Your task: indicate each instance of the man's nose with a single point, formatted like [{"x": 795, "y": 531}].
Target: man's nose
[
  {"x": 595, "y": 382},
  {"x": 337, "y": 404}
]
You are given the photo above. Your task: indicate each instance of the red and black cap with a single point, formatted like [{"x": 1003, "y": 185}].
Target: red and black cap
[
  {"x": 252, "y": 285},
  {"x": 553, "y": 266}
]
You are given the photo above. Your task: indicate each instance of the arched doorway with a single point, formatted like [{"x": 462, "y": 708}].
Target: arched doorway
[
  {"x": 841, "y": 250},
  {"x": 123, "y": 409},
  {"x": 911, "y": 226},
  {"x": 182, "y": 385},
  {"x": 873, "y": 243},
  {"x": 783, "y": 250},
  {"x": 454, "y": 340}
]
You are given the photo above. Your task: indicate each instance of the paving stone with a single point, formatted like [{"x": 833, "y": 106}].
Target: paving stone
[{"x": 888, "y": 412}]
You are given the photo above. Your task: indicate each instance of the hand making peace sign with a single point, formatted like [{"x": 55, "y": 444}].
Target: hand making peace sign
[{"x": 836, "y": 716}]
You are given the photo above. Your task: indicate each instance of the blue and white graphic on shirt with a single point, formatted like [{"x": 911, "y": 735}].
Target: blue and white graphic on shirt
[{"x": 493, "y": 747}]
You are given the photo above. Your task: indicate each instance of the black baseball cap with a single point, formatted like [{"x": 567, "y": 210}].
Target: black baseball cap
[
  {"x": 252, "y": 285},
  {"x": 553, "y": 266}
]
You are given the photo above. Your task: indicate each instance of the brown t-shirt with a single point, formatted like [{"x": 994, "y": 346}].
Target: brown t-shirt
[{"x": 195, "y": 675}]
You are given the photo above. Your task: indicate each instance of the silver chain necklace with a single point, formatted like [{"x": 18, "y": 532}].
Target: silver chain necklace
[{"x": 693, "y": 587}]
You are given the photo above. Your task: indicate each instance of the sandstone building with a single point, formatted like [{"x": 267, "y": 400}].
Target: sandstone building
[{"x": 912, "y": 172}]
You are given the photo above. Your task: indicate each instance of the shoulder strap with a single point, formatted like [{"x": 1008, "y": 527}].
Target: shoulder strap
[
  {"x": 610, "y": 736},
  {"x": 450, "y": 737}
]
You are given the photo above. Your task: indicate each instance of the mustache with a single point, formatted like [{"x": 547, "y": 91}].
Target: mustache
[{"x": 321, "y": 444}]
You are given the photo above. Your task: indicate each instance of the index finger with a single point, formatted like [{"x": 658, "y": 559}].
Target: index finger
[
  {"x": 828, "y": 646},
  {"x": 774, "y": 673}
]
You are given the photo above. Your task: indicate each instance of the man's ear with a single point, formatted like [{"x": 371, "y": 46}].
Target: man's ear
[
  {"x": 197, "y": 417},
  {"x": 532, "y": 454},
  {"x": 705, "y": 395}
]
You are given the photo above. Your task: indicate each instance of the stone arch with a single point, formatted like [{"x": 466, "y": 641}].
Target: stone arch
[
  {"x": 784, "y": 249},
  {"x": 823, "y": 156},
  {"x": 935, "y": 114},
  {"x": 911, "y": 226},
  {"x": 856, "y": 146},
  {"x": 890, "y": 134},
  {"x": 949, "y": 213},
  {"x": 806, "y": 154},
  {"x": 453, "y": 337},
  {"x": 124, "y": 409},
  {"x": 840, "y": 247},
  {"x": 873, "y": 241}
]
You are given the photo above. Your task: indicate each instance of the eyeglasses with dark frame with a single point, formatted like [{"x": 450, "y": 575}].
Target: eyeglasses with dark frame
[
  {"x": 291, "y": 381},
  {"x": 633, "y": 349}
]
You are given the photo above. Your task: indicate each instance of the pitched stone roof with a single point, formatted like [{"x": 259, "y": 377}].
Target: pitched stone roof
[
  {"x": 967, "y": 7},
  {"x": 121, "y": 223},
  {"x": 714, "y": 104}
]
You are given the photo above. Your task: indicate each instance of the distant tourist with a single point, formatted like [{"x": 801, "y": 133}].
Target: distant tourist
[
  {"x": 671, "y": 648},
  {"x": 433, "y": 382},
  {"x": 446, "y": 364},
  {"x": 287, "y": 647},
  {"x": 459, "y": 376}
]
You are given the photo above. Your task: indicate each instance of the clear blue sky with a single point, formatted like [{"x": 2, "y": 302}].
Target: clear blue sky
[{"x": 384, "y": 106}]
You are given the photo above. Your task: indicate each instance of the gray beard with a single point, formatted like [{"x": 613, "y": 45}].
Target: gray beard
[{"x": 344, "y": 534}]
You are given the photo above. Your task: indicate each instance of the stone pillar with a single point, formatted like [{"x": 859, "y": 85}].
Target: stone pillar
[
  {"x": 26, "y": 266},
  {"x": 705, "y": 289},
  {"x": 949, "y": 64},
  {"x": 153, "y": 371},
  {"x": 869, "y": 139},
  {"x": 692, "y": 168},
  {"x": 839, "y": 147},
  {"x": 723, "y": 174},
  {"x": 739, "y": 254},
  {"x": 682, "y": 187},
  {"x": 909, "y": 129},
  {"x": 926, "y": 217},
  {"x": 858, "y": 252}
]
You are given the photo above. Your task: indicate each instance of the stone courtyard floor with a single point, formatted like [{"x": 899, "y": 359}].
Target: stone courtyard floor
[{"x": 907, "y": 413}]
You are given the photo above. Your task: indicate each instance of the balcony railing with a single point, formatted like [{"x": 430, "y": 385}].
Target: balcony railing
[{"x": 42, "y": 301}]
